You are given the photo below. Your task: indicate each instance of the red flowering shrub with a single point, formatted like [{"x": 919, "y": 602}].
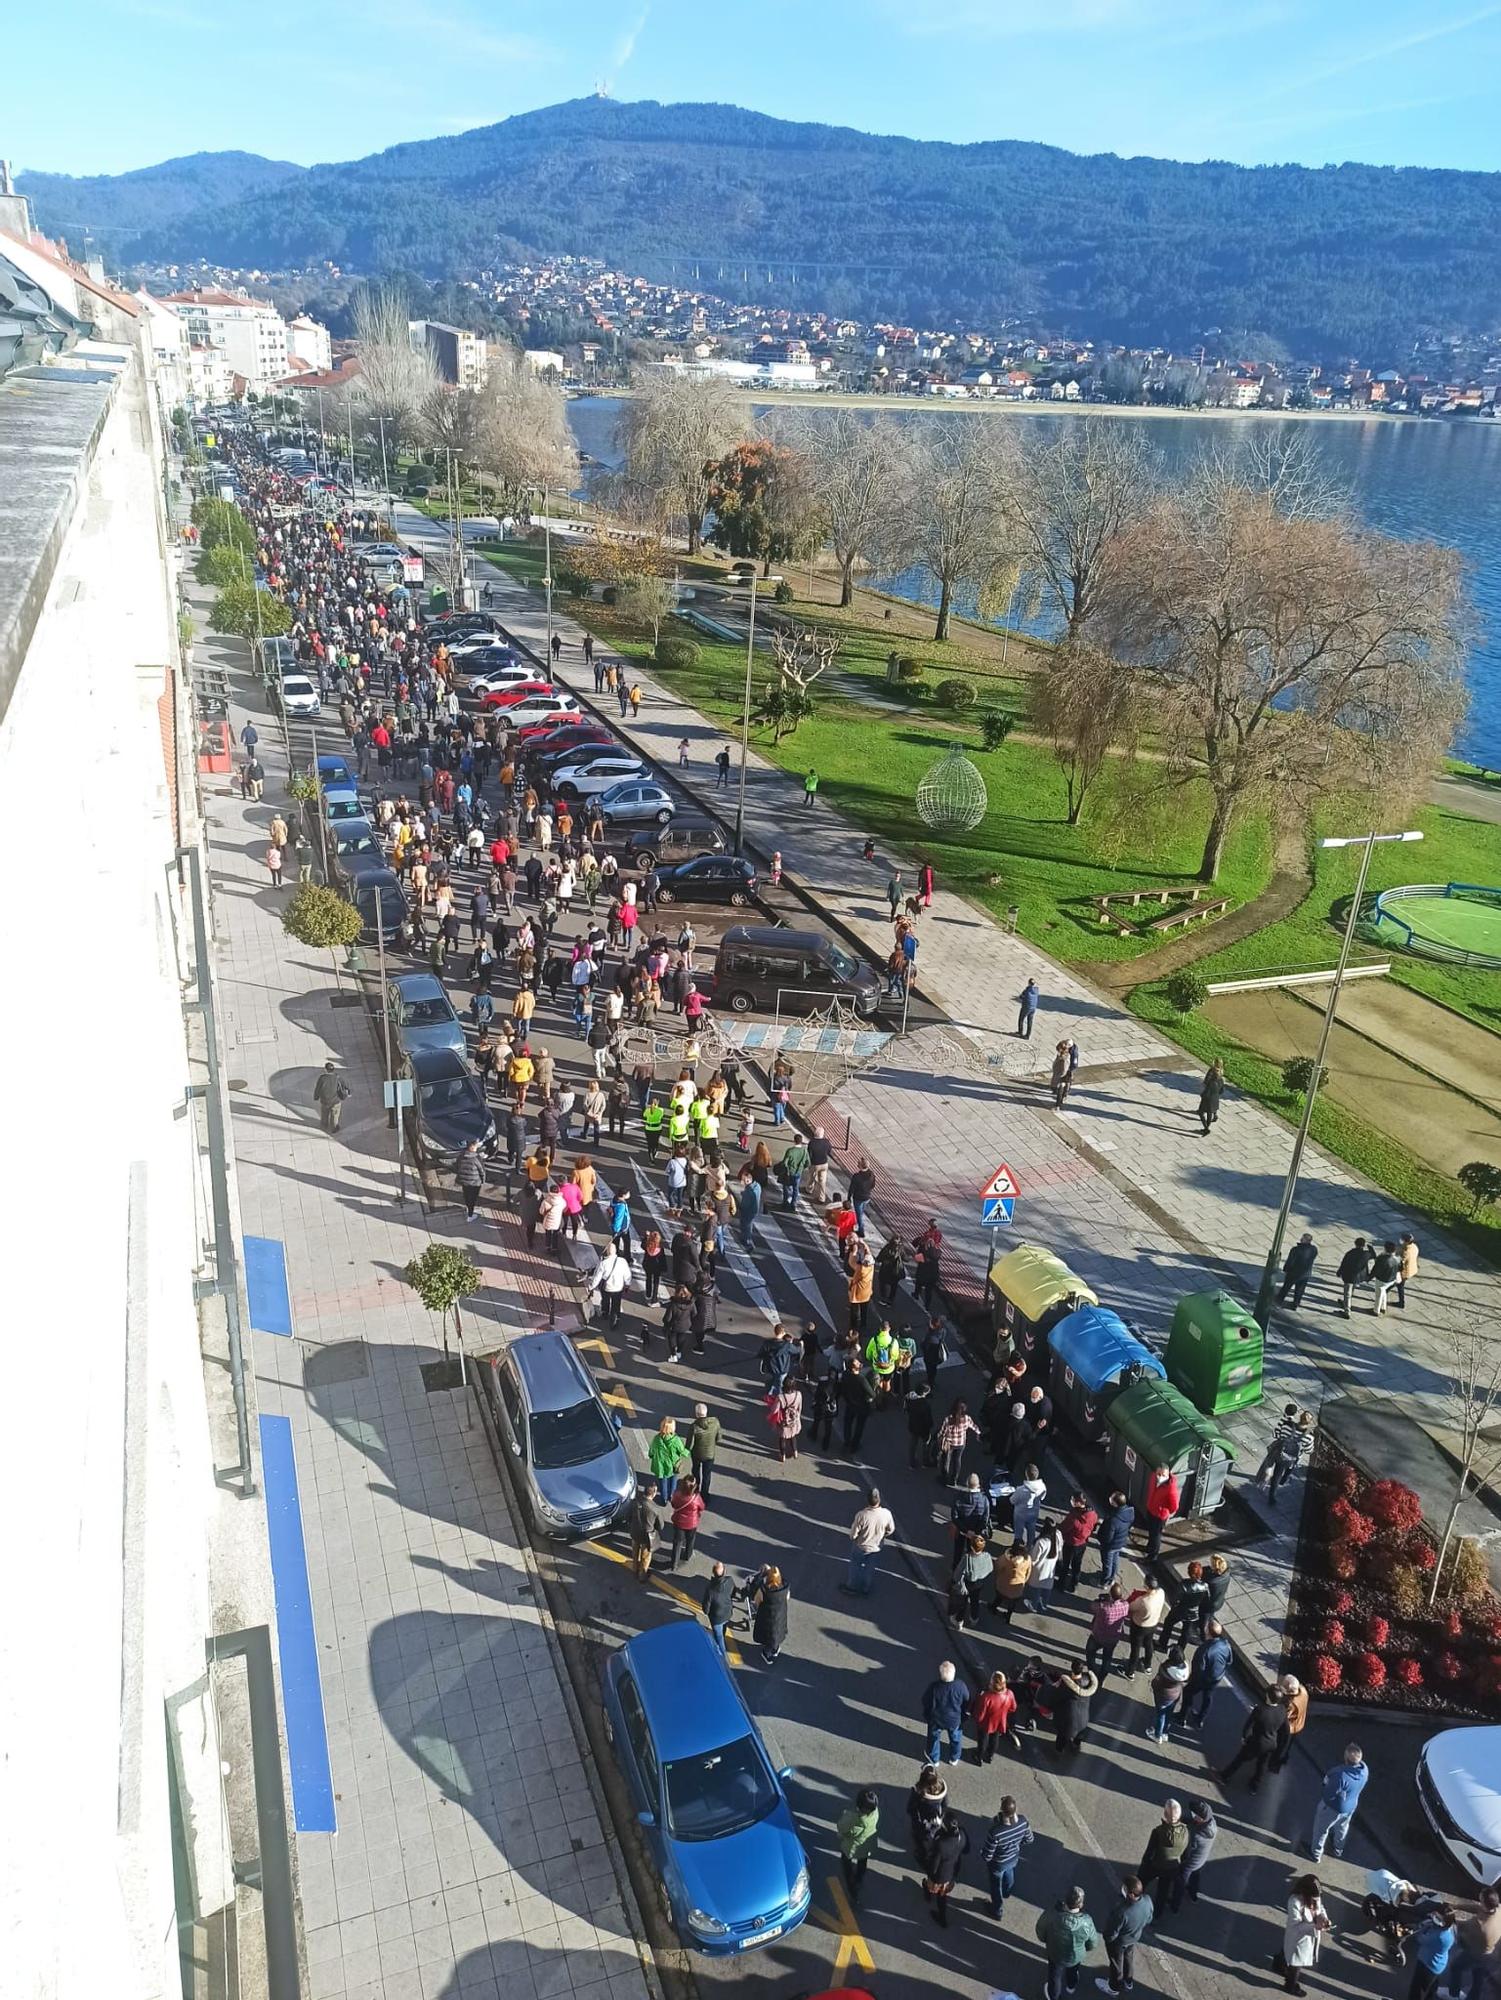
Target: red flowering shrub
[
  {"x": 1342, "y": 1602},
  {"x": 1394, "y": 1506},
  {"x": 1449, "y": 1667},
  {"x": 1378, "y": 1630},
  {"x": 1346, "y": 1480},
  {"x": 1325, "y": 1674},
  {"x": 1343, "y": 1562},
  {"x": 1368, "y": 1670},
  {"x": 1408, "y": 1674},
  {"x": 1492, "y": 1626},
  {"x": 1348, "y": 1524},
  {"x": 1453, "y": 1625},
  {"x": 1421, "y": 1553},
  {"x": 1333, "y": 1634}
]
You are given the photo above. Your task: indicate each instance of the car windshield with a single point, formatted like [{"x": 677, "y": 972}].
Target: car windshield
[
  {"x": 843, "y": 964},
  {"x": 424, "y": 1012},
  {"x": 447, "y": 1094},
  {"x": 570, "y": 1437},
  {"x": 718, "y": 1792},
  {"x": 359, "y": 843}
]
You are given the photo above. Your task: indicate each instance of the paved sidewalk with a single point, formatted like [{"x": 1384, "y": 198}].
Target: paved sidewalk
[
  {"x": 470, "y": 1859},
  {"x": 1123, "y": 1182}
]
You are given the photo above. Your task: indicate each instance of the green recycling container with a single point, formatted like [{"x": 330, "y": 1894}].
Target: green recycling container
[
  {"x": 437, "y": 598},
  {"x": 1152, "y": 1424},
  {"x": 1214, "y": 1353}
]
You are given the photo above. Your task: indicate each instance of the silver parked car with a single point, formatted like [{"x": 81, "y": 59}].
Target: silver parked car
[{"x": 563, "y": 1441}]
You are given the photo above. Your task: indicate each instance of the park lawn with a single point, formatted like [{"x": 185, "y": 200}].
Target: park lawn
[
  {"x": 1337, "y": 1129},
  {"x": 871, "y": 761},
  {"x": 1454, "y": 849},
  {"x": 971, "y": 652}
]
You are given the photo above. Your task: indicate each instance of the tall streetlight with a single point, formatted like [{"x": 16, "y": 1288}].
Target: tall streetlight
[
  {"x": 750, "y": 653},
  {"x": 1367, "y": 843},
  {"x": 541, "y": 491}
]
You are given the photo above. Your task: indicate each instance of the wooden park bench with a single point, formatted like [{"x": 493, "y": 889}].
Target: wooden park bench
[{"x": 1180, "y": 919}]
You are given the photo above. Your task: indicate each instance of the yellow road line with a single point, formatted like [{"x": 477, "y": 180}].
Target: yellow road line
[
  {"x": 732, "y": 1651},
  {"x": 846, "y": 1928}
]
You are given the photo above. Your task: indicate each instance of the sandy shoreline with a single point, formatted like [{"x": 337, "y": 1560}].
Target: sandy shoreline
[{"x": 796, "y": 399}]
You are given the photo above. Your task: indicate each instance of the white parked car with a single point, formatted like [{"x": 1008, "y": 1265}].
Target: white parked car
[
  {"x": 495, "y": 680},
  {"x": 1459, "y": 1784},
  {"x": 538, "y": 708},
  {"x": 299, "y": 695},
  {"x": 593, "y": 775}
]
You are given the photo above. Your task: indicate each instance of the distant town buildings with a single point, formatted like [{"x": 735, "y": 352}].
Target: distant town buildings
[
  {"x": 462, "y": 358},
  {"x": 250, "y": 333}
]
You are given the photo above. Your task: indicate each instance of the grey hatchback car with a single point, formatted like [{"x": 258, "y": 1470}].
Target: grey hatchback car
[{"x": 563, "y": 1441}]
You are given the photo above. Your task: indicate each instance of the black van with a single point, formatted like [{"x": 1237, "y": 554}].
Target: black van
[{"x": 764, "y": 966}]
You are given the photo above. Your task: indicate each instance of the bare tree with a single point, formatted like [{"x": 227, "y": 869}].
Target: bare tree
[
  {"x": 1086, "y": 705},
  {"x": 957, "y": 503},
  {"x": 674, "y": 429},
  {"x": 522, "y": 432},
  {"x": 646, "y": 600},
  {"x": 1073, "y": 494},
  {"x": 802, "y": 657},
  {"x": 452, "y": 420},
  {"x": 1285, "y": 655},
  {"x": 857, "y": 470},
  {"x": 396, "y": 379},
  {"x": 1474, "y": 1397}
]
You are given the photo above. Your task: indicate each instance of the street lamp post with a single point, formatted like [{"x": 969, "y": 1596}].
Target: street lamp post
[
  {"x": 1367, "y": 843},
  {"x": 541, "y": 492},
  {"x": 750, "y": 651}
]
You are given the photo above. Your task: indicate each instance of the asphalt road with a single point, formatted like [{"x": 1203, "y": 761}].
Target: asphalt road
[{"x": 841, "y": 1705}]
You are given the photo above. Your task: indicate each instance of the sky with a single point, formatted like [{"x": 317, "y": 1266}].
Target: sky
[{"x": 115, "y": 84}]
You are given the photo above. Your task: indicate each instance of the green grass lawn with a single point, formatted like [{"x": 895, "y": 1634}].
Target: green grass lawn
[{"x": 870, "y": 763}]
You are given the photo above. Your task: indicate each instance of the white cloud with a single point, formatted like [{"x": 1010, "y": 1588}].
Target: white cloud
[
  {"x": 1379, "y": 52},
  {"x": 625, "y": 48}
]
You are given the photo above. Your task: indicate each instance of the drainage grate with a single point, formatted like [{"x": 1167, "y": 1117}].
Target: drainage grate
[
  {"x": 238, "y": 1083},
  {"x": 441, "y": 1375},
  {"x": 341, "y": 1361},
  {"x": 345, "y": 1000}
]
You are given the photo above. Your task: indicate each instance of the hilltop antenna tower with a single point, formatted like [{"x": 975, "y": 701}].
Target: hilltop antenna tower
[{"x": 601, "y": 87}]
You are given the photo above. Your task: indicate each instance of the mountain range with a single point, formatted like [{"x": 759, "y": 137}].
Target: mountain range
[{"x": 1327, "y": 260}]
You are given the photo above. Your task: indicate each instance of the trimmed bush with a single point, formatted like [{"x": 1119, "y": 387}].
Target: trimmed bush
[
  {"x": 609, "y": 595},
  {"x": 1343, "y": 1562},
  {"x": 1342, "y": 1602},
  {"x": 1299, "y": 1074},
  {"x": 1368, "y": 1670},
  {"x": 1449, "y": 1667},
  {"x": 1325, "y": 1675},
  {"x": 572, "y": 583},
  {"x": 955, "y": 694},
  {"x": 678, "y": 653},
  {"x": 1185, "y": 990},
  {"x": 996, "y": 724},
  {"x": 1408, "y": 1674},
  {"x": 1468, "y": 1572},
  {"x": 1404, "y": 1586},
  {"x": 1393, "y": 1505},
  {"x": 1378, "y": 1631},
  {"x": 1333, "y": 1633},
  {"x": 1348, "y": 1524},
  {"x": 909, "y": 669},
  {"x": 783, "y": 592}
]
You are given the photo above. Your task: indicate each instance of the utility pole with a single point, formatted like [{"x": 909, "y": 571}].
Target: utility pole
[
  {"x": 318, "y": 801},
  {"x": 750, "y": 654},
  {"x": 393, "y": 1112},
  {"x": 1367, "y": 842},
  {"x": 542, "y": 492}
]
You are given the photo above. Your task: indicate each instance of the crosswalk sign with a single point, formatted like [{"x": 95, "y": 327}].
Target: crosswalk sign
[{"x": 996, "y": 1210}]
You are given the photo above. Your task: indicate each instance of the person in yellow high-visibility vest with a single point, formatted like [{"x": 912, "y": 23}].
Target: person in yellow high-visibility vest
[{"x": 881, "y": 1358}]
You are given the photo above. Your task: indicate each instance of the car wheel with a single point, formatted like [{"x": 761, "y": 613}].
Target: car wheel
[
  {"x": 666, "y": 895},
  {"x": 645, "y": 856},
  {"x": 664, "y": 815},
  {"x": 739, "y": 1003},
  {"x": 738, "y": 899},
  {"x": 567, "y": 791}
]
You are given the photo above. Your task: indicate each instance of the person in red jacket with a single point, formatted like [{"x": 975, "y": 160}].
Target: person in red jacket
[
  {"x": 1160, "y": 1504},
  {"x": 993, "y": 1712},
  {"x": 1078, "y": 1524},
  {"x": 687, "y": 1512}
]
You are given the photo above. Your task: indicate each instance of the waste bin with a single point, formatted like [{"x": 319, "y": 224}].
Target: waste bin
[
  {"x": 1152, "y": 1424},
  {"x": 1031, "y": 1288},
  {"x": 1214, "y": 1353},
  {"x": 437, "y": 600},
  {"x": 1095, "y": 1356}
]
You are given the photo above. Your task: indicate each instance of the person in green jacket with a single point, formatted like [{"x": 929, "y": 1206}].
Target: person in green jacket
[
  {"x": 668, "y": 1458},
  {"x": 810, "y": 788},
  {"x": 794, "y": 1165},
  {"x": 1067, "y": 1936},
  {"x": 703, "y": 1446},
  {"x": 652, "y": 1119},
  {"x": 859, "y": 1828}
]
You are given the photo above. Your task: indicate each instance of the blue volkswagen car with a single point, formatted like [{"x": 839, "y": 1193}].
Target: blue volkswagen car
[
  {"x": 422, "y": 1013},
  {"x": 709, "y": 1798}
]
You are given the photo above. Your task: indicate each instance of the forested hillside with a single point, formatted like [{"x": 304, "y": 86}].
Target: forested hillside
[
  {"x": 111, "y": 206},
  {"x": 1347, "y": 257}
]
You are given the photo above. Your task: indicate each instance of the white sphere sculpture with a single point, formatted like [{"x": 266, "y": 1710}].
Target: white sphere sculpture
[{"x": 951, "y": 797}]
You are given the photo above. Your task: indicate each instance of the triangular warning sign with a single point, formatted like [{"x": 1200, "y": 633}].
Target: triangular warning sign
[{"x": 1001, "y": 1182}]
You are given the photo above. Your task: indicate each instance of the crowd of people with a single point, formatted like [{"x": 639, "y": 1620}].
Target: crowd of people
[{"x": 523, "y": 894}]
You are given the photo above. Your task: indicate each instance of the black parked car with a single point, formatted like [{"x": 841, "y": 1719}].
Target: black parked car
[
  {"x": 708, "y": 878},
  {"x": 450, "y": 1105},
  {"x": 685, "y": 835}
]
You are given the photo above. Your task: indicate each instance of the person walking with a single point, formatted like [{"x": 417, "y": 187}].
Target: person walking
[
  {"x": 1339, "y": 1795},
  {"x": 718, "y": 1602},
  {"x": 331, "y": 1093},
  {"x": 703, "y": 1448},
  {"x": 1168, "y": 1683},
  {"x": 926, "y": 1804},
  {"x": 1027, "y": 1003},
  {"x": 1125, "y": 1926},
  {"x": 945, "y": 1704},
  {"x": 1115, "y": 1535},
  {"x": 1304, "y": 1928},
  {"x": 721, "y": 766},
  {"x": 1386, "y": 1269},
  {"x": 785, "y": 1415},
  {"x": 771, "y": 1615},
  {"x": 810, "y": 789},
  {"x": 1295, "y": 1700},
  {"x": 749, "y": 1199},
  {"x": 687, "y": 1511},
  {"x": 1207, "y": 1675},
  {"x": 608, "y": 1283},
  {"x": 1297, "y": 1269},
  {"x": 1005, "y": 1837},
  {"x": 942, "y": 1859},
  {"x": 1067, "y": 1936},
  {"x": 1060, "y": 1076},
  {"x": 469, "y": 1172},
  {"x": 1407, "y": 1263},
  {"x": 858, "y": 1831},
  {"x": 1013, "y": 1572},
  {"x": 1210, "y": 1093},
  {"x": 856, "y": 1399},
  {"x": 894, "y": 891},
  {"x": 274, "y": 863},
  {"x": 1076, "y": 1688},
  {"x": 862, "y": 1278},
  {"x": 993, "y": 1712},
  {"x": 1203, "y": 1831},
  {"x": 954, "y": 1434},
  {"x": 646, "y": 1530},
  {"x": 1354, "y": 1269},
  {"x": 666, "y": 1457},
  {"x": 870, "y": 1530},
  {"x": 1291, "y": 1441},
  {"x": 1262, "y": 1738},
  {"x": 1162, "y": 1857}
]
